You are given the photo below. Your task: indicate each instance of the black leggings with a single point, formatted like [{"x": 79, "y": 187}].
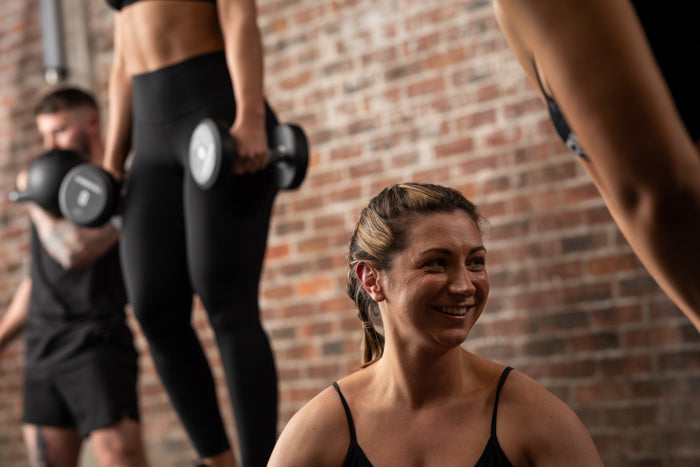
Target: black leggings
[{"x": 178, "y": 240}]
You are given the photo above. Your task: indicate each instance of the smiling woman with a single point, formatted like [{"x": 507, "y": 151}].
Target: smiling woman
[
  {"x": 383, "y": 231},
  {"x": 417, "y": 273},
  {"x": 435, "y": 289}
]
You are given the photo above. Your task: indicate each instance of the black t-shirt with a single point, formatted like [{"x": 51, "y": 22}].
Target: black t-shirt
[{"x": 77, "y": 312}]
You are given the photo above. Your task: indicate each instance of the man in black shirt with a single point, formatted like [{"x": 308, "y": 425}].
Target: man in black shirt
[{"x": 81, "y": 365}]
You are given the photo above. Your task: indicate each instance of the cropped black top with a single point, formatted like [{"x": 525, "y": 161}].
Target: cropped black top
[{"x": 120, "y": 4}]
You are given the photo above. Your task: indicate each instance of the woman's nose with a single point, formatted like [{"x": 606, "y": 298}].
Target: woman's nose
[{"x": 461, "y": 282}]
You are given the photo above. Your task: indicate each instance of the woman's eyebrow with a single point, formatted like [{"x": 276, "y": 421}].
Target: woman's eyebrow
[{"x": 446, "y": 251}]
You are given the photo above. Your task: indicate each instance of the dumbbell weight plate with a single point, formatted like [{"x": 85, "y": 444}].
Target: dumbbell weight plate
[
  {"x": 206, "y": 152},
  {"x": 44, "y": 177},
  {"x": 87, "y": 196},
  {"x": 290, "y": 171}
]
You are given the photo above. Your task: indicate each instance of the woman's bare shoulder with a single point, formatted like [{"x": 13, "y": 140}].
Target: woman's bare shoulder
[
  {"x": 316, "y": 435},
  {"x": 553, "y": 427}
]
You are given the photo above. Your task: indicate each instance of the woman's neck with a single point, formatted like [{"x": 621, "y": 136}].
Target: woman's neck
[{"x": 419, "y": 378}]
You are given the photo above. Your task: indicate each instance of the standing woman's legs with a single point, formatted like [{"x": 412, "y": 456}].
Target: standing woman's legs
[
  {"x": 228, "y": 235},
  {"x": 155, "y": 265},
  {"x": 227, "y": 229}
]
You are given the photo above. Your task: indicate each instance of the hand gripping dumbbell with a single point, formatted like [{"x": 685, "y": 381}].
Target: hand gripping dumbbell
[
  {"x": 212, "y": 151},
  {"x": 44, "y": 177},
  {"x": 89, "y": 195}
]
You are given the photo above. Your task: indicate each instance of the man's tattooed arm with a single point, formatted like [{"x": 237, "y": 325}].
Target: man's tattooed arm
[{"x": 71, "y": 246}]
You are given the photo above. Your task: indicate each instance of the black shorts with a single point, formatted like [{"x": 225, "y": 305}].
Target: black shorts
[{"x": 85, "y": 395}]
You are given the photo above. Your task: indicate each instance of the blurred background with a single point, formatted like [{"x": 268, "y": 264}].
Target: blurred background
[{"x": 391, "y": 91}]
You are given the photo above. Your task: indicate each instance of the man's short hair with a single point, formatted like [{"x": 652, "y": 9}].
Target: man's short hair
[{"x": 65, "y": 99}]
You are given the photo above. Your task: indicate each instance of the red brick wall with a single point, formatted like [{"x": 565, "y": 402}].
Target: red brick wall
[
  {"x": 20, "y": 75},
  {"x": 395, "y": 91}
]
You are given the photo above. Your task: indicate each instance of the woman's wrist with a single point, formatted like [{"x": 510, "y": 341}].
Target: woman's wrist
[{"x": 113, "y": 167}]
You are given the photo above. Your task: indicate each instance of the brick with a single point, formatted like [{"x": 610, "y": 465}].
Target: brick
[
  {"x": 680, "y": 361},
  {"x": 627, "y": 365},
  {"x": 278, "y": 251},
  {"x": 544, "y": 347},
  {"x": 573, "y": 369},
  {"x": 500, "y": 138},
  {"x": 314, "y": 286},
  {"x": 585, "y": 242},
  {"x": 660, "y": 336},
  {"x": 561, "y": 321},
  {"x": 477, "y": 119},
  {"x": 580, "y": 193},
  {"x": 601, "y": 392},
  {"x": 612, "y": 264},
  {"x": 595, "y": 342},
  {"x": 460, "y": 147},
  {"x": 428, "y": 86}
]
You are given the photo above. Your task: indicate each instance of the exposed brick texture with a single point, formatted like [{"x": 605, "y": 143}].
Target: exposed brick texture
[{"x": 390, "y": 91}]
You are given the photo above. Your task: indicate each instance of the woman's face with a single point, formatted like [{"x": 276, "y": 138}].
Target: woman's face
[{"x": 437, "y": 287}]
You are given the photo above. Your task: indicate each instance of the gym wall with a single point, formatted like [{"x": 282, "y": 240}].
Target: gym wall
[{"x": 391, "y": 91}]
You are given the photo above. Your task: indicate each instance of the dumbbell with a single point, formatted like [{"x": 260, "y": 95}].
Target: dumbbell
[
  {"x": 44, "y": 177},
  {"x": 212, "y": 151},
  {"x": 88, "y": 195}
]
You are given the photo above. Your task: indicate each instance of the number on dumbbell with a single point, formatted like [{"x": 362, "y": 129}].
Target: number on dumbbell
[{"x": 88, "y": 196}]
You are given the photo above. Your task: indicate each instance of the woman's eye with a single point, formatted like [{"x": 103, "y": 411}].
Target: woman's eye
[
  {"x": 478, "y": 262},
  {"x": 435, "y": 263}
]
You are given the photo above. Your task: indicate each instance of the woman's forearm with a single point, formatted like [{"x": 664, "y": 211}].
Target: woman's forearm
[
  {"x": 118, "y": 140},
  {"x": 245, "y": 57}
]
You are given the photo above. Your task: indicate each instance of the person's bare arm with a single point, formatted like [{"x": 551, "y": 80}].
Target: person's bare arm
[
  {"x": 71, "y": 246},
  {"x": 596, "y": 62},
  {"x": 17, "y": 312},
  {"x": 244, "y": 55},
  {"x": 118, "y": 141},
  {"x": 316, "y": 436}
]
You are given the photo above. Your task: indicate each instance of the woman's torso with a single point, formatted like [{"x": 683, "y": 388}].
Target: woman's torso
[{"x": 156, "y": 33}]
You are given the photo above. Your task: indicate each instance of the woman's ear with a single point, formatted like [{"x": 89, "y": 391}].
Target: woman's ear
[{"x": 369, "y": 280}]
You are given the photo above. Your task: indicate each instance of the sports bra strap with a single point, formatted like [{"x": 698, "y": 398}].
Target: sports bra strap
[
  {"x": 501, "y": 381},
  {"x": 539, "y": 79},
  {"x": 348, "y": 415}
]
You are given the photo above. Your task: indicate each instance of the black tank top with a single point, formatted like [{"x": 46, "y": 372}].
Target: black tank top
[
  {"x": 492, "y": 456},
  {"x": 675, "y": 43}
]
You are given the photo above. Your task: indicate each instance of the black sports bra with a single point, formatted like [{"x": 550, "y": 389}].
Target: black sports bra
[
  {"x": 675, "y": 42},
  {"x": 559, "y": 122},
  {"x": 492, "y": 456},
  {"x": 119, "y": 4}
]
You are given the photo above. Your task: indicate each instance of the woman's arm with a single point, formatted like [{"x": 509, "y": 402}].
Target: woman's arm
[
  {"x": 244, "y": 55},
  {"x": 118, "y": 141},
  {"x": 595, "y": 60},
  {"x": 316, "y": 436}
]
